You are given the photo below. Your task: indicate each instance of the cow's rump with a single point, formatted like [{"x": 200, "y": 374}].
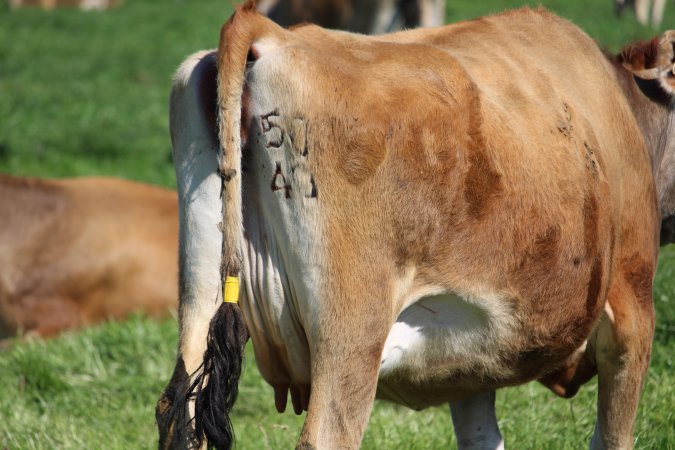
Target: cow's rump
[{"x": 461, "y": 169}]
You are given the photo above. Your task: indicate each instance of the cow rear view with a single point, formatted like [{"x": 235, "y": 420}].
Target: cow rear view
[{"x": 420, "y": 217}]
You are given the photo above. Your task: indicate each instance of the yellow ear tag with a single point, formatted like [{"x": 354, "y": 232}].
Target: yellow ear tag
[{"x": 231, "y": 290}]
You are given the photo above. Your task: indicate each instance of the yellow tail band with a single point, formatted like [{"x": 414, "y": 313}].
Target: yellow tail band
[{"x": 231, "y": 290}]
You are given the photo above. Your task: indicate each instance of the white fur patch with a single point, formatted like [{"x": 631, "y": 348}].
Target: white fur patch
[
  {"x": 283, "y": 256},
  {"x": 195, "y": 157},
  {"x": 447, "y": 332}
]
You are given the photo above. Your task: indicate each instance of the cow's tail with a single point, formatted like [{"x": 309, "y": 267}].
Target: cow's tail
[{"x": 216, "y": 386}]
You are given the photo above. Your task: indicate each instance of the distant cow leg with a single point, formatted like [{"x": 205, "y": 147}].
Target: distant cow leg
[
  {"x": 658, "y": 9},
  {"x": 475, "y": 423},
  {"x": 195, "y": 158},
  {"x": 623, "y": 349},
  {"x": 432, "y": 13},
  {"x": 642, "y": 11}
]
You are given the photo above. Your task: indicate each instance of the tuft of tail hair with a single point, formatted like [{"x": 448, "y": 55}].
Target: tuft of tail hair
[{"x": 215, "y": 385}]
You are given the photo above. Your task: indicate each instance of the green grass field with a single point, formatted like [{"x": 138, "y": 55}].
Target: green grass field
[{"x": 87, "y": 93}]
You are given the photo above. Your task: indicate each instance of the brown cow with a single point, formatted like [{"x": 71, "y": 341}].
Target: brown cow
[
  {"x": 78, "y": 251},
  {"x": 361, "y": 16},
  {"x": 85, "y": 5},
  {"x": 425, "y": 217}
]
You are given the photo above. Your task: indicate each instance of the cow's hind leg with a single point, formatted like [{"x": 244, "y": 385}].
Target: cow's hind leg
[
  {"x": 642, "y": 11},
  {"x": 195, "y": 146},
  {"x": 658, "y": 8},
  {"x": 346, "y": 348},
  {"x": 475, "y": 423},
  {"x": 622, "y": 352}
]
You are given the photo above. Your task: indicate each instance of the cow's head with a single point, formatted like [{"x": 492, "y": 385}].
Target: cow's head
[
  {"x": 652, "y": 65},
  {"x": 654, "y": 61}
]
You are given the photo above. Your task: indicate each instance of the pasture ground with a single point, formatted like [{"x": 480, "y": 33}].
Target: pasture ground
[{"x": 87, "y": 93}]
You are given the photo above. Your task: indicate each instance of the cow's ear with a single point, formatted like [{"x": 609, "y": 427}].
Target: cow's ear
[{"x": 653, "y": 60}]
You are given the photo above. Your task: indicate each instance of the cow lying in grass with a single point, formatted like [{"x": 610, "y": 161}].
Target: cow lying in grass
[
  {"x": 423, "y": 217},
  {"x": 361, "y": 16},
  {"x": 75, "y": 252}
]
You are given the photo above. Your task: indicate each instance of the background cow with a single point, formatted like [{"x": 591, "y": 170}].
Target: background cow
[
  {"x": 420, "y": 217},
  {"x": 647, "y": 12},
  {"x": 361, "y": 16},
  {"x": 85, "y": 5},
  {"x": 78, "y": 251}
]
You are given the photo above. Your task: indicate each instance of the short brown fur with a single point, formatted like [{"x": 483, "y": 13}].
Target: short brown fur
[
  {"x": 433, "y": 180},
  {"x": 79, "y": 251}
]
